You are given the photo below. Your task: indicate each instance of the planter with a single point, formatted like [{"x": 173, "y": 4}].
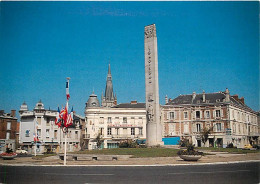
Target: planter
[
  {"x": 190, "y": 157},
  {"x": 8, "y": 157}
]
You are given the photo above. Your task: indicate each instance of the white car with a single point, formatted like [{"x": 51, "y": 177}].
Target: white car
[{"x": 20, "y": 151}]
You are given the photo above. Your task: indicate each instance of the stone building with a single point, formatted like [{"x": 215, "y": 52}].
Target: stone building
[
  {"x": 8, "y": 126},
  {"x": 113, "y": 122},
  {"x": 41, "y": 122},
  {"x": 230, "y": 118}
]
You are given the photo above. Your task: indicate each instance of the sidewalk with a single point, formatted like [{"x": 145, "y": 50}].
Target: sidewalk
[{"x": 54, "y": 160}]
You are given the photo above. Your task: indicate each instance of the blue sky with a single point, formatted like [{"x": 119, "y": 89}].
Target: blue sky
[{"x": 201, "y": 46}]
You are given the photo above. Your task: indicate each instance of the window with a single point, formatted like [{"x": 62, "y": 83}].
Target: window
[
  {"x": 207, "y": 114},
  {"x": 185, "y": 115},
  {"x": 101, "y": 131},
  {"x": 186, "y": 128},
  {"x": 101, "y": 120},
  {"x": 218, "y": 113},
  {"x": 117, "y": 131},
  {"x": 171, "y": 115},
  {"x": 55, "y": 134},
  {"x": 132, "y": 131},
  {"x": 47, "y": 133},
  {"x": 8, "y": 125},
  {"x": 109, "y": 120},
  {"x": 39, "y": 132},
  {"x": 48, "y": 122},
  {"x": 197, "y": 114},
  {"x": 198, "y": 101},
  {"x": 116, "y": 119},
  {"x": 27, "y": 133},
  {"x": 108, "y": 131},
  {"x": 124, "y": 119},
  {"x": 7, "y": 135},
  {"x": 198, "y": 127},
  {"x": 76, "y": 135},
  {"x": 125, "y": 131},
  {"x": 219, "y": 128},
  {"x": 140, "y": 131},
  {"x": 39, "y": 121}
]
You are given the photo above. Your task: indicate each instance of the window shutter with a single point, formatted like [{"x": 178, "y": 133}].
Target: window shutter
[
  {"x": 214, "y": 127},
  {"x": 221, "y": 113},
  {"x": 193, "y": 127},
  {"x": 214, "y": 114},
  {"x": 168, "y": 115}
]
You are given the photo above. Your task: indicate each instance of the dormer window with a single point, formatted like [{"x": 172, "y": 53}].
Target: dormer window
[
  {"x": 207, "y": 101},
  {"x": 218, "y": 100},
  {"x": 198, "y": 101}
]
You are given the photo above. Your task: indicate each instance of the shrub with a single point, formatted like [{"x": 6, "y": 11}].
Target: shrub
[
  {"x": 189, "y": 151},
  {"x": 8, "y": 150},
  {"x": 230, "y": 145},
  {"x": 183, "y": 142},
  {"x": 127, "y": 144}
]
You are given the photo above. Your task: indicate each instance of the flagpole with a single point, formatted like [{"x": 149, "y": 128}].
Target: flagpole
[
  {"x": 66, "y": 129},
  {"x": 65, "y": 149},
  {"x": 35, "y": 138}
]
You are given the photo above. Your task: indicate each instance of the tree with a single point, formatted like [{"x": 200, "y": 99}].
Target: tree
[
  {"x": 205, "y": 134},
  {"x": 99, "y": 141}
]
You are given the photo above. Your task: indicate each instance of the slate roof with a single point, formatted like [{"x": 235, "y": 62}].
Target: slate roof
[
  {"x": 211, "y": 98},
  {"x": 187, "y": 99},
  {"x": 129, "y": 105}
]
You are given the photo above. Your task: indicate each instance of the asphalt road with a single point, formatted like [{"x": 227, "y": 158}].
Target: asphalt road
[{"x": 244, "y": 173}]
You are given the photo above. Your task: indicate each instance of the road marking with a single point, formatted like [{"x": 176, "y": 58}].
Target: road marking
[
  {"x": 80, "y": 174},
  {"x": 212, "y": 172}
]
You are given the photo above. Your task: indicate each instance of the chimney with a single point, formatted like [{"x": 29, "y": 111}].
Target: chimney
[
  {"x": 166, "y": 99},
  {"x": 115, "y": 102},
  {"x": 203, "y": 97},
  {"x": 193, "y": 95},
  {"x": 134, "y": 102},
  {"x": 227, "y": 98},
  {"x": 242, "y": 100},
  {"x": 235, "y": 97},
  {"x": 2, "y": 112},
  {"x": 13, "y": 113}
]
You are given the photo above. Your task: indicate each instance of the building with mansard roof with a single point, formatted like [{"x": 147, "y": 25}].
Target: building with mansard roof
[
  {"x": 40, "y": 122},
  {"x": 113, "y": 122},
  {"x": 231, "y": 120}
]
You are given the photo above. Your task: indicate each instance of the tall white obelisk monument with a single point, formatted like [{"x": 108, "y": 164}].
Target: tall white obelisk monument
[{"x": 153, "y": 125}]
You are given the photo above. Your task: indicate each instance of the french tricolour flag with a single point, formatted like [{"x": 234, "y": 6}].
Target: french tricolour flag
[
  {"x": 70, "y": 118},
  {"x": 67, "y": 90}
]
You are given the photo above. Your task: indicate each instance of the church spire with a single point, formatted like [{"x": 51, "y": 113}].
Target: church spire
[{"x": 109, "y": 94}]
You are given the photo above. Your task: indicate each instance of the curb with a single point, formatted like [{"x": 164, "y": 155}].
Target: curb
[{"x": 153, "y": 165}]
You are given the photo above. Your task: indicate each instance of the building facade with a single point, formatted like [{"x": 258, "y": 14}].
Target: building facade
[
  {"x": 40, "y": 123},
  {"x": 111, "y": 121},
  {"x": 8, "y": 127},
  {"x": 230, "y": 119}
]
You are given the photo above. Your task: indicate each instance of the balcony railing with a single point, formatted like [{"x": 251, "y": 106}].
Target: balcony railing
[
  {"x": 126, "y": 136},
  {"x": 86, "y": 136}
]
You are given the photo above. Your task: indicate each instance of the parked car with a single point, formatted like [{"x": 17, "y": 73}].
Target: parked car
[
  {"x": 21, "y": 151},
  {"x": 248, "y": 146}
]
